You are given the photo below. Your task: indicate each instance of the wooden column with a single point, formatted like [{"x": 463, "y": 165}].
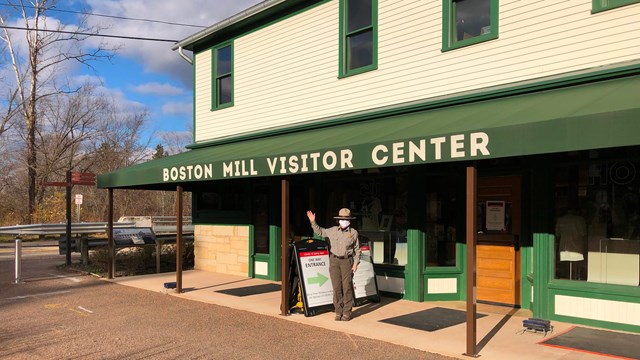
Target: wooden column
[
  {"x": 111, "y": 259},
  {"x": 472, "y": 234},
  {"x": 179, "y": 239},
  {"x": 284, "y": 306}
]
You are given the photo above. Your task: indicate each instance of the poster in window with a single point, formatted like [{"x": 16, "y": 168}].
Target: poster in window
[{"x": 495, "y": 216}]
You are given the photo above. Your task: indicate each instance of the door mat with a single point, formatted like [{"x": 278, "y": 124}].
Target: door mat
[
  {"x": 431, "y": 319},
  {"x": 601, "y": 342},
  {"x": 251, "y": 290}
]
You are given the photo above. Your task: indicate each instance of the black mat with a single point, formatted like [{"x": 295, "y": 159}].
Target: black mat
[
  {"x": 251, "y": 290},
  {"x": 431, "y": 319},
  {"x": 598, "y": 341}
]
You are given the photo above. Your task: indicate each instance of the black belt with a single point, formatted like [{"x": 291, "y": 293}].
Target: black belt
[{"x": 341, "y": 257}]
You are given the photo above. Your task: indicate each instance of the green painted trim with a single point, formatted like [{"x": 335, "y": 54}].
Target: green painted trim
[
  {"x": 275, "y": 253},
  {"x": 251, "y": 254},
  {"x": 414, "y": 276},
  {"x": 449, "y": 40},
  {"x": 263, "y": 258},
  {"x": 577, "y": 289},
  {"x": 433, "y": 270},
  {"x": 343, "y": 52},
  {"x": 462, "y": 264},
  {"x": 597, "y": 323},
  {"x": 193, "y": 110},
  {"x": 597, "y": 291},
  {"x": 442, "y": 297},
  {"x": 215, "y": 105},
  {"x": 604, "y": 5},
  {"x": 543, "y": 270},
  {"x": 526, "y": 281},
  {"x": 547, "y": 83}
]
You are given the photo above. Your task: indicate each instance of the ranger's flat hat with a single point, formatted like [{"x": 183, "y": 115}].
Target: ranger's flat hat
[{"x": 344, "y": 214}]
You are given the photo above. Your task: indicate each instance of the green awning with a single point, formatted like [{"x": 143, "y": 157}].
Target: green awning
[{"x": 590, "y": 116}]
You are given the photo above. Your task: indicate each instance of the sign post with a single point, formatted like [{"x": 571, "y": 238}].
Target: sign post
[{"x": 72, "y": 178}]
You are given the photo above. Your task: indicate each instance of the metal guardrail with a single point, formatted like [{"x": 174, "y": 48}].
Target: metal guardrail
[
  {"x": 160, "y": 224},
  {"x": 54, "y": 229}
]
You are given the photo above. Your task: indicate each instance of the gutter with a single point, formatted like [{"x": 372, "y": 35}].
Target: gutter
[
  {"x": 187, "y": 42},
  {"x": 185, "y": 57}
]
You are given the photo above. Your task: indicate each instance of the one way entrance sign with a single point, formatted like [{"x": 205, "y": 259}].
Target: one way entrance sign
[
  {"x": 312, "y": 259},
  {"x": 313, "y": 268}
]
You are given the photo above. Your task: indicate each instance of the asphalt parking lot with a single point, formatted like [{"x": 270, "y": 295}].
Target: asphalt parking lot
[{"x": 55, "y": 314}]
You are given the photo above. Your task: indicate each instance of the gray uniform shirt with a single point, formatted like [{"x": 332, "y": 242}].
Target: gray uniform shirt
[{"x": 342, "y": 242}]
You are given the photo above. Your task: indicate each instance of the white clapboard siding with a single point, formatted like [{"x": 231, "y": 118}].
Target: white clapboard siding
[
  {"x": 287, "y": 73},
  {"x": 598, "y": 309}
]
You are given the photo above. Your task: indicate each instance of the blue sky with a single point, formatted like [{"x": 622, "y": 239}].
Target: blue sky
[{"x": 144, "y": 73}]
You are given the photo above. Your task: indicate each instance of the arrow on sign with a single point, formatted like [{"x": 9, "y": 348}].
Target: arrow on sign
[{"x": 320, "y": 280}]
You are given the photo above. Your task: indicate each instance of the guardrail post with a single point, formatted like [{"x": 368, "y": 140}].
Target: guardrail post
[
  {"x": 158, "y": 253},
  {"x": 84, "y": 250},
  {"x": 18, "y": 263}
]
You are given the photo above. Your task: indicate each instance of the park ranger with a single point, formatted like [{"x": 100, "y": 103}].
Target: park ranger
[{"x": 344, "y": 257}]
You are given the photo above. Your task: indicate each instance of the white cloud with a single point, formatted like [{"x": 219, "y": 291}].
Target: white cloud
[
  {"x": 154, "y": 88},
  {"x": 52, "y": 69},
  {"x": 157, "y": 56},
  {"x": 178, "y": 108}
]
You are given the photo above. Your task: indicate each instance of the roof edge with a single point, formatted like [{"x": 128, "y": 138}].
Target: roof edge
[{"x": 186, "y": 43}]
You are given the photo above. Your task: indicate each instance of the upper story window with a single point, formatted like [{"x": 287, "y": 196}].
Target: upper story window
[
  {"x": 603, "y": 5},
  {"x": 467, "y": 22},
  {"x": 358, "y": 36},
  {"x": 222, "y": 89}
]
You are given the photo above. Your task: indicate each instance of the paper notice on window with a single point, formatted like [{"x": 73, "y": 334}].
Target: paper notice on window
[{"x": 495, "y": 215}]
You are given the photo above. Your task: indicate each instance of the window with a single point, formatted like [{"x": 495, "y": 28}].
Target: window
[
  {"x": 379, "y": 202},
  {"x": 222, "y": 89},
  {"x": 221, "y": 203},
  {"x": 260, "y": 219},
  {"x": 597, "y": 219},
  {"x": 444, "y": 205},
  {"x": 467, "y": 22},
  {"x": 358, "y": 36},
  {"x": 604, "y": 5}
]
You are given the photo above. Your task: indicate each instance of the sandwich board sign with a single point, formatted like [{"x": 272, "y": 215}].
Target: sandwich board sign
[
  {"x": 312, "y": 259},
  {"x": 365, "y": 286}
]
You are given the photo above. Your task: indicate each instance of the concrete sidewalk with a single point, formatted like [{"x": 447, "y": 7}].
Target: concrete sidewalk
[{"x": 499, "y": 333}]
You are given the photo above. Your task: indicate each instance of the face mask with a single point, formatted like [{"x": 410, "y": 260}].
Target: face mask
[{"x": 344, "y": 223}]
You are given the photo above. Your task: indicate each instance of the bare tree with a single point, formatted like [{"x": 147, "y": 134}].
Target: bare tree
[{"x": 36, "y": 73}]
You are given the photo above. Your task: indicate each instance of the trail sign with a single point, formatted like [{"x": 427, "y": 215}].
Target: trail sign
[
  {"x": 80, "y": 178},
  {"x": 73, "y": 178}
]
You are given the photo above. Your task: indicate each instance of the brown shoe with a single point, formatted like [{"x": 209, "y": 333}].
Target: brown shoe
[
  {"x": 338, "y": 317},
  {"x": 346, "y": 317}
]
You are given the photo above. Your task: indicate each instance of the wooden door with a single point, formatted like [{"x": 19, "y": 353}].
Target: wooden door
[{"x": 498, "y": 248}]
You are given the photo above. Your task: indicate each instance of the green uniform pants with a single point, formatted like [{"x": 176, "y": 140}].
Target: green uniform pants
[{"x": 342, "y": 281}]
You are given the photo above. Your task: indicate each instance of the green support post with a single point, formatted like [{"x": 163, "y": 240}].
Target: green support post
[
  {"x": 252, "y": 254},
  {"x": 414, "y": 270},
  {"x": 275, "y": 253},
  {"x": 542, "y": 273}
]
